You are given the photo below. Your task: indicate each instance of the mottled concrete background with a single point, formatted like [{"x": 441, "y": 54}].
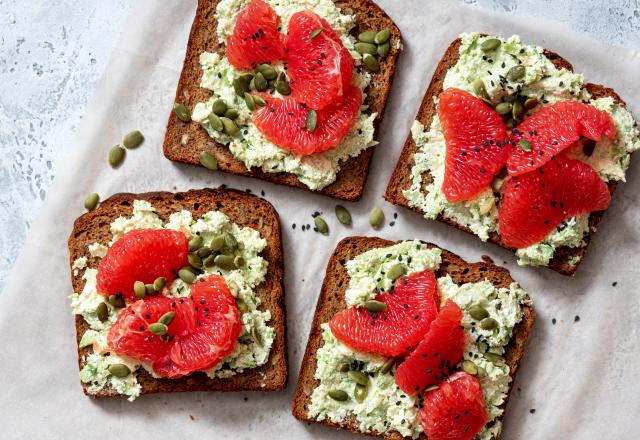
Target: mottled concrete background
[{"x": 52, "y": 54}]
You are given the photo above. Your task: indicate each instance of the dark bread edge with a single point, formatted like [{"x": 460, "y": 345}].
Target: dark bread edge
[
  {"x": 331, "y": 301},
  {"x": 351, "y": 178},
  {"x": 240, "y": 207}
]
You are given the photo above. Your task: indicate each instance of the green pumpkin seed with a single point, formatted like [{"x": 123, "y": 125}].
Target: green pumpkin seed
[
  {"x": 530, "y": 103},
  {"x": 187, "y": 276},
  {"x": 219, "y": 107},
  {"x": 195, "y": 243},
  {"x": 119, "y": 370},
  {"x": 490, "y": 44},
  {"x": 376, "y": 217},
  {"x": 431, "y": 388},
  {"x": 267, "y": 71},
  {"x": 260, "y": 83},
  {"x": 343, "y": 215},
  {"x": 494, "y": 358},
  {"x": 396, "y": 271},
  {"x": 371, "y": 63},
  {"x": 231, "y": 113},
  {"x": 209, "y": 261},
  {"x": 338, "y": 395},
  {"x": 116, "y": 300},
  {"x": 204, "y": 252},
  {"x": 139, "y": 289},
  {"x": 230, "y": 241},
  {"x": 488, "y": 324},
  {"x": 116, "y": 156},
  {"x": 207, "y": 160},
  {"x": 167, "y": 318},
  {"x": 312, "y": 120},
  {"x": 91, "y": 201},
  {"x": 258, "y": 101},
  {"x": 283, "y": 88},
  {"x": 239, "y": 262},
  {"x": 517, "y": 110},
  {"x": 133, "y": 139},
  {"x": 516, "y": 73},
  {"x": 503, "y": 108},
  {"x": 368, "y": 36},
  {"x": 282, "y": 76},
  {"x": 158, "y": 328},
  {"x": 194, "y": 260},
  {"x": 480, "y": 89},
  {"x": 159, "y": 284},
  {"x": 102, "y": 312},
  {"x": 321, "y": 225},
  {"x": 215, "y": 122},
  {"x": 369, "y": 48},
  {"x": 149, "y": 290},
  {"x": 383, "y": 49},
  {"x": 478, "y": 313},
  {"x": 470, "y": 367},
  {"x": 242, "y": 306},
  {"x": 230, "y": 127},
  {"x": 224, "y": 262},
  {"x": 387, "y": 366},
  {"x": 375, "y": 306},
  {"x": 343, "y": 368},
  {"x": 182, "y": 112},
  {"x": 248, "y": 99},
  {"x": 241, "y": 84},
  {"x": 315, "y": 33},
  {"x": 525, "y": 145},
  {"x": 217, "y": 243},
  {"x": 360, "y": 392},
  {"x": 382, "y": 36},
  {"x": 256, "y": 336}
]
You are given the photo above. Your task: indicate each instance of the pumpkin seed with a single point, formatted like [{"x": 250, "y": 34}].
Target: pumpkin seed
[
  {"x": 517, "y": 110},
  {"x": 133, "y": 139},
  {"x": 260, "y": 83},
  {"x": 383, "y": 49},
  {"x": 231, "y": 113},
  {"x": 368, "y": 36},
  {"x": 530, "y": 103},
  {"x": 525, "y": 145},
  {"x": 376, "y": 217},
  {"x": 230, "y": 127},
  {"x": 195, "y": 243},
  {"x": 516, "y": 73},
  {"x": 159, "y": 284},
  {"x": 119, "y": 370},
  {"x": 396, "y": 271},
  {"x": 167, "y": 318},
  {"x": 187, "y": 276},
  {"x": 209, "y": 261},
  {"x": 479, "y": 89},
  {"x": 182, "y": 112},
  {"x": 315, "y": 33},
  {"x": 267, "y": 71},
  {"x": 490, "y": 44},
  {"x": 343, "y": 214},
  {"x": 369, "y": 48},
  {"x": 375, "y": 306},
  {"x": 382, "y": 36},
  {"x": 312, "y": 120},
  {"x": 116, "y": 156},
  {"x": 387, "y": 366},
  {"x": 139, "y": 289},
  {"x": 242, "y": 306},
  {"x": 338, "y": 395},
  {"x": 219, "y": 107},
  {"x": 191, "y": 269},
  {"x": 217, "y": 243},
  {"x": 238, "y": 261},
  {"x": 230, "y": 241},
  {"x": 207, "y": 160},
  {"x": 470, "y": 367},
  {"x": 204, "y": 252},
  {"x": 149, "y": 290},
  {"x": 116, "y": 300},
  {"x": 321, "y": 225},
  {"x": 259, "y": 102},
  {"x": 194, "y": 260},
  {"x": 256, "y": 336},
  {"x": 431, "y": 388},
  {"x": 360, "y": 392},
  {"x": 478, "y": 313},
  {"x": 343, "y": 368},
  {"x": 102, "y": 312},
  {"x": 158, "y": 328},
  {"x": 283, "y": 88},
  {"x": 488, "y": 324},
  {"x": 503, "y": 108},
  {"x": 494, "y": 358},
  {"x": 371, "y": 63},
  {"x": 248, "y": 99},
  {"x": 91, "y": 201},
  {"x": 224, "y": 262},
  {"x": 215, "y": 122},
  {"x": 241, "y": 84}
]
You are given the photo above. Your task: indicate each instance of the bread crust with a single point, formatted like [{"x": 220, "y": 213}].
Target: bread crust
[
  {"x": 184, "y": 142},
  {"x": 243, "y": 209},
  {"x": 401, "y": 177},
  {"x": 331, "y": 301}
]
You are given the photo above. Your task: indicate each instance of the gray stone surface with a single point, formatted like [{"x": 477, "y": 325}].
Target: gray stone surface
[{"x": 52, "y": 54}]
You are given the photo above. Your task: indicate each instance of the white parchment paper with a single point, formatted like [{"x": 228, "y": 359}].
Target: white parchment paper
[{"x": 581, "y": 377}]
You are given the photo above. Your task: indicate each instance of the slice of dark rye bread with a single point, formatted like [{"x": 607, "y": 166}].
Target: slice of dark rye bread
[
  {"x": 331, "y": 301},
  {"x": 401, "y": 178},
  {"x": 244, "y": 210},
  {"x": 184, "y": 142}
]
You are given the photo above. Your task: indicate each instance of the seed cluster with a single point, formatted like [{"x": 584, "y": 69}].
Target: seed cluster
[{"x": 373, "y": 46}]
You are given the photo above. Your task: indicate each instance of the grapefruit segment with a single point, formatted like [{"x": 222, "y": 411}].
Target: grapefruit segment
[
  {"x": 284, "y": 122},
  {"x": 319, "y": 66},
  {"x": 411, "y": 307},
  {"x": 535, "y": 203},
  {"x": 256, "y": 38},
  {"x": 455, "y": 410},
  {"x": 141, "y": 255},
  {"x": 554, "y": 128},
  {"x": 476, "y": 144},
  {"x": 437, "y": 354}
]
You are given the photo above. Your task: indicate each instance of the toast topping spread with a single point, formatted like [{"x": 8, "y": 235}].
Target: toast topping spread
[
  {"x": 518, "y": 80},
  {"x": 255, "y": 335},
  {"x": 256, "y": 141},
  {"x": 379, "y": 401}
]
